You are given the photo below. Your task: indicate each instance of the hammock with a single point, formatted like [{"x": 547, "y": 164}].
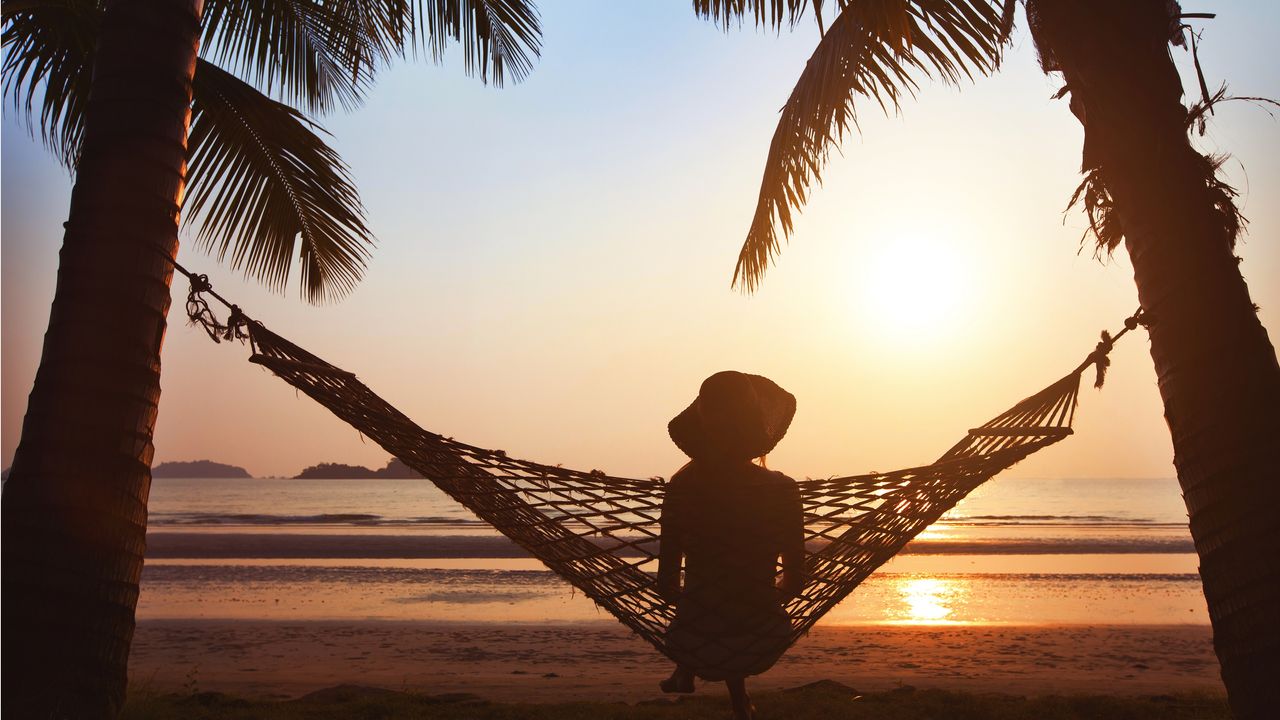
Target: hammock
[{"x": 600, "y": 533}]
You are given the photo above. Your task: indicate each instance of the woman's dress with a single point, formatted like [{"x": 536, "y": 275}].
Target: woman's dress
[{"x": 731, "y": 526}]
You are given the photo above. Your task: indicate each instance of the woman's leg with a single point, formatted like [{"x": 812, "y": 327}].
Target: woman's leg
[
  {"x": 681, "y": 681},
  {"x": 742, "y": 709}
]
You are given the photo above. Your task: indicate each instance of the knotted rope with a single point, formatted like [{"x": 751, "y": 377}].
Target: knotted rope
[
  {"x": 1100, "y": 358},
  {"x": 199, "y": 313}
]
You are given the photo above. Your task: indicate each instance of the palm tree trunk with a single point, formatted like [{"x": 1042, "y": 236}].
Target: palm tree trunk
[
  {"x": 75, "y": 505},
  {"x": 1216, "y": 367}
]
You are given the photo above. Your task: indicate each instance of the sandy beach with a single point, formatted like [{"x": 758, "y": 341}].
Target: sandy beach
[
  {"x": 602, "y": 662},
  {"x": 387, "y": 585}
]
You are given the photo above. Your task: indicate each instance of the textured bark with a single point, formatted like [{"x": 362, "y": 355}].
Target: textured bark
[
  {"x": 1216, "y": 367},
  {"x": 75, "y": 505}
]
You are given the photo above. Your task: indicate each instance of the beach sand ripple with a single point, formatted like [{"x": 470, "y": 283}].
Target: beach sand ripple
[{"x": 598, "y": 661}]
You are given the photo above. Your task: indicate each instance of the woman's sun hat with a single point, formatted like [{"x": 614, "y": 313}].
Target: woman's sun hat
[{"x": 736, "y": 416}]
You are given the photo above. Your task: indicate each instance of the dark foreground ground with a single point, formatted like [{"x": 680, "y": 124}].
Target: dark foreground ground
[
  {"x": 604, "y": 662},
  {"x": 822, "y": 700}
]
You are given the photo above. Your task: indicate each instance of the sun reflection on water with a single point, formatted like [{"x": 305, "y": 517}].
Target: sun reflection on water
[
  {"x": 936, "y": 532},
  {"x": 929, "y": 601}
]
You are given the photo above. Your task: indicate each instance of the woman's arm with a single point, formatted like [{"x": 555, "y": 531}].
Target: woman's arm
[
  {"x": 669, "y": 556},
  {"x": 793, "y": 578},
  {"x": 670, "y": 552}
]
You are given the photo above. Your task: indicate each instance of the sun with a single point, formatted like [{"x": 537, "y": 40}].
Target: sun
[{"x": 916, "y": 286}]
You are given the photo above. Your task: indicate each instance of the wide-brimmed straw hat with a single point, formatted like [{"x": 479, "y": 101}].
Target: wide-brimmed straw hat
[{"x": 736, "y": 416}]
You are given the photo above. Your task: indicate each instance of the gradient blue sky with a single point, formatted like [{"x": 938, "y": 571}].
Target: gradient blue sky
[{"x": 552, "y": 275}]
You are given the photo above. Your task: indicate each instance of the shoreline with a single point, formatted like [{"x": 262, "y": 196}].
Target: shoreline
[
  {"x": 602, "y": 661},
  {"x": 229, "y": 544}
]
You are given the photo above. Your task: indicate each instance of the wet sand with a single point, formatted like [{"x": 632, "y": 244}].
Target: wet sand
[
  {"x": 602, "y": 661},
  {"x": 387, "y": 543}
]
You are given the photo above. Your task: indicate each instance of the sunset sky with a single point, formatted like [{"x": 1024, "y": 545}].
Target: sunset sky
[{"x": 552, "y": 275}]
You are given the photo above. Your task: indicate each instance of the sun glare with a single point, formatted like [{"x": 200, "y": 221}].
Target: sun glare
[
  {"x": 915, "y": 286},
  {"x": 927, "y": 601}
]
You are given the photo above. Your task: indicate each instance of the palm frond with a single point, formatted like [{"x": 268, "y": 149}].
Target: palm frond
[
  {"x": 378, "y": 31},
  {"x": 263, "y": 186},
  {"x": 319, "y": 54},
  {"x": 499, "y": 37},
  {"x": 48, "y": 49},
  {"x": 1104, "y": 222},
  {"x": 310, "y": 53},
  {"x": 763, "y": 13},
  {"x": 877, "y": 49}
]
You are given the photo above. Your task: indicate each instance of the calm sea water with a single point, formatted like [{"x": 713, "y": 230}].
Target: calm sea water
[
  {"x": 1015, "y": 551},
  {"x": 409, "y": 505}
]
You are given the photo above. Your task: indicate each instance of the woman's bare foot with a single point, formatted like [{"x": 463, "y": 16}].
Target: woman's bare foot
[
  {"x": 741, "y": 701},
  {"x": 681, "y": 682}
]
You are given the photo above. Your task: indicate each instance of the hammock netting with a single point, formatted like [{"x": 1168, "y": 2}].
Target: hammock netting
[{"x": 600, "y": 533}]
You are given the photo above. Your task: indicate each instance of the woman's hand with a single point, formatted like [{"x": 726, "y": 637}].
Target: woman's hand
[
  {"x": 793, "y": 574},
  {"x": 669, "y": 589},
  {"x": 790, "y": 585}
]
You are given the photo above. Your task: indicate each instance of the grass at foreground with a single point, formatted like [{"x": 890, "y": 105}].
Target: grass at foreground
[{"x": 823, "y": 700}]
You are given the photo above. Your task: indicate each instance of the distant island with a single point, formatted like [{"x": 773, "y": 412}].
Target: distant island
[
  {"x": 198, "y": 469},
  {"x": 395, "y": 469}
]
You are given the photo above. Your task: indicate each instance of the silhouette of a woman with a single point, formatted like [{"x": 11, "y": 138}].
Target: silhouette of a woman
[{"x": 730, "y": 520}]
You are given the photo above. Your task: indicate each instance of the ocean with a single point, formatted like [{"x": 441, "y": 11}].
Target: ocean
[{"x": 1016, "y": 551}]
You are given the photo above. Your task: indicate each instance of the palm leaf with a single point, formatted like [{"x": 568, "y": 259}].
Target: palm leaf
[
  {"x": 377, "y": 31},
  {"x": 309, "y": 53},
  {"x": 262, "y": 183},
  {"x": 320, "y": 53},
  {"x": 48, "y": 48},
  {"x": 263, "y": 186},
  {"x": 260, "y": 177},
  {"x": 877, "y": 49},
  {"x": 766, "y": 13},
  {"x": 498, "y": 37}
]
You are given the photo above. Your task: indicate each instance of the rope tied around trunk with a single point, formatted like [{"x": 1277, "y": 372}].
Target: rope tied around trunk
[
  {"x": 237, "y": 326},
  {"x": 1100, "y": 358},
  {"x": 199, "y": 312}
]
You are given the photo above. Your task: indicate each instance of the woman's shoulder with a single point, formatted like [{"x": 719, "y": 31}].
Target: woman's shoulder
[
  {"x": 687, "y": 473},
  {"x": 772, "y": 478},
  {"x": 772, "y": 475},
  {"x": 692, "y": 473}
]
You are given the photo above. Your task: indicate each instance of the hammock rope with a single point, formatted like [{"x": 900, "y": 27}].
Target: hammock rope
[{"x": 600, "y": 532}]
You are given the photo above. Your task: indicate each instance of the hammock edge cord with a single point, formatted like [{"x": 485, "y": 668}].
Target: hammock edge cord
[{"x": 573, "y": 521}]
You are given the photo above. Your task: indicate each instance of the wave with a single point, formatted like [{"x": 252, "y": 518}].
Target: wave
[
  {"x": 443, "y": 580},
  {"x": 268, "y": 520},
  {"x": 1052, "y": 546},
  {"x": 1057, "y": 518},
  {"x": 203, "y": 519},
  {"x": 450, "y": 582},
  {"x": 317, "y": 546}
]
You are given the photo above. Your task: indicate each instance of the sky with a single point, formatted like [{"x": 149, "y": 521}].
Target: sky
[{"x": 553, "y": 262}]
